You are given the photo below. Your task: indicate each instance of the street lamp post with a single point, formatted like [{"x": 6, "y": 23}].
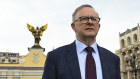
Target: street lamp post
[{"x": 132, "y": 61}]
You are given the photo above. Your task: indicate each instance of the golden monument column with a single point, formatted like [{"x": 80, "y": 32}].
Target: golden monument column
[
  {"x": 37, "y": 33},
  {"x": 30, "y": 66}
]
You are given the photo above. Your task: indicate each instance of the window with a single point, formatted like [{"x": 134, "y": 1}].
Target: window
[
  {"x": 3, "y": 78},
  {"x": 9, "y": 60},
  {"x": 3, "y": 61},
  {"x": 4, "y": 54},
  {"x": 11, "y": 55},
  {"x": 128, "y": 41},
  {"x": 135, "y": 38},
  {"x": 122, "y": 43},
  {"x": 14, "y": 61},
  {"x": 16, "y": 78}
]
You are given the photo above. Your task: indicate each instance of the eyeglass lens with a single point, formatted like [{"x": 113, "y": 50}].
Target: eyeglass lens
[{"x": 86, "y": 19}]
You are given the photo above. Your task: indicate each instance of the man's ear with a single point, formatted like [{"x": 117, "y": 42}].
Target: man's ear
[
  {"x": 99, "y": 25},
  {"x": 73, "y": 27}
]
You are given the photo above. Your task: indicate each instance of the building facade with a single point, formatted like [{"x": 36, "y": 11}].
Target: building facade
[
  {"x": 129, "y": 44},
  {"x": 31, "y": 66}
]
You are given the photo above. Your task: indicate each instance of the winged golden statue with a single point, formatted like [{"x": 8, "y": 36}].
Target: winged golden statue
[{"x": 37, "y": 32}]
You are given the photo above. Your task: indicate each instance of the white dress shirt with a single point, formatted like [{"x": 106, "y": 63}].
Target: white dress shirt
[{"x": 80, "y": 47}]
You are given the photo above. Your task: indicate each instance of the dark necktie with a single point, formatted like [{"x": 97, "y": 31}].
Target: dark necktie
[{"x": 90, "y": 71}]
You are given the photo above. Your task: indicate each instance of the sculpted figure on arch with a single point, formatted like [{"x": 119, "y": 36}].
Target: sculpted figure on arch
[{"x": 37, "y": 32}]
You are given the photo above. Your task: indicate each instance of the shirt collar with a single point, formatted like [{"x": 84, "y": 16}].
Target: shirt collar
[
  {"x": 81, "y": 46},
  {"x": 94, "y": 46}
]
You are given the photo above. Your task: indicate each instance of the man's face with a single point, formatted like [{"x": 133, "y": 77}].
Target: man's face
[{"x": 88, "y": 29}]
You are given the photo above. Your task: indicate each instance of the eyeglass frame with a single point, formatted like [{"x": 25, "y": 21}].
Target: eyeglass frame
[{"x": 80, "y": 18}]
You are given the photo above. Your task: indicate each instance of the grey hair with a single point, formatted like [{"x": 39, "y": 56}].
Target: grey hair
[{"x": 79, "y": 8}]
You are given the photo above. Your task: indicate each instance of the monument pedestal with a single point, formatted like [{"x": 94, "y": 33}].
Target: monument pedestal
[
  {"x": 36, "y": 55},
  {"x": 36, "y": 48}
]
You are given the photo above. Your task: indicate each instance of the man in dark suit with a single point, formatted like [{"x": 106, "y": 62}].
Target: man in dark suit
[{"x": 83, "y": 59}]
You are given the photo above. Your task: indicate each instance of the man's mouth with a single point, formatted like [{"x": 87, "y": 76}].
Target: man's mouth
[{"x": 89, "y": 29}]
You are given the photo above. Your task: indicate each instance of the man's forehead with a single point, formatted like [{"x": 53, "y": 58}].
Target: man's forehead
[{"x": 87, "y": 11}]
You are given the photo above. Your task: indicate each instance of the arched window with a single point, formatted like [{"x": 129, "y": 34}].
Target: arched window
[
  {"x": 128, "y": 40},
  {"x": 135, "y": 38},
  {"x": 122, "y": 43}
]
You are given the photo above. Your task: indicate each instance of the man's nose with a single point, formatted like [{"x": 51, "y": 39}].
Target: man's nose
[{"x": 90, "y": 21}]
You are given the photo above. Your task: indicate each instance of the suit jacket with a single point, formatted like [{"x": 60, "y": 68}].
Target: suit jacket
[{"x": 62, "y": 63}]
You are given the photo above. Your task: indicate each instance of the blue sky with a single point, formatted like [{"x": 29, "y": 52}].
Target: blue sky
[{"x": 116, "y": 16}]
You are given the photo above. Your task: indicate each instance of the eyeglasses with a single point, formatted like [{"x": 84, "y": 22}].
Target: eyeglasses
[{"x": 85, "y": 19}]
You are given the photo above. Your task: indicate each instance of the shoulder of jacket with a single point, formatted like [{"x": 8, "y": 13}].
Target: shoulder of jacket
[
  {"x": 108, "y": 52},
  {"x": 60, "y": 50}
]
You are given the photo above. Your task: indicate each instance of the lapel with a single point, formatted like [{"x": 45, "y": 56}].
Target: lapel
[
  {"x": 103, "y": 59},
  {"x": 72, "y": 59}
]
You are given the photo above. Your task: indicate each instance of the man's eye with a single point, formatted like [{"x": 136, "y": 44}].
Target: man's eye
[
  {"x": 84, "y": 18},
  {"x": 93, "y": 19}
]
